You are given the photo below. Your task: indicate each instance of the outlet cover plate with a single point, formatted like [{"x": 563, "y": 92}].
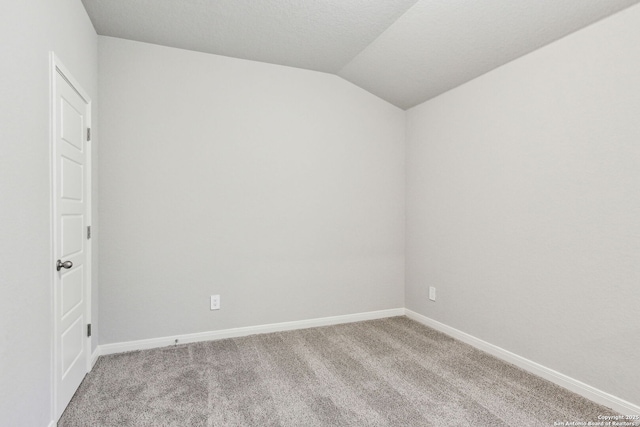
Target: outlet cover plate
[
  {"x": 432, "y": 293},
  {"x": 215, "y": 302}
]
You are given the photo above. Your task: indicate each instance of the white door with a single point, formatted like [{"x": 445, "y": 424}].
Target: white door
[{"x": 70, "y": 158}]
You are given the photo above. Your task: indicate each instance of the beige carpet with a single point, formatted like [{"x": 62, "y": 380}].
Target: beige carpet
[{"x": 391, "y": 372}]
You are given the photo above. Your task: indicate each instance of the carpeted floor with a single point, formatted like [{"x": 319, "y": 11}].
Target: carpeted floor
[{"x": 390, "y": 372}]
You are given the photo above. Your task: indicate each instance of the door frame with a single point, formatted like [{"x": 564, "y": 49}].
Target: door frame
[{"x": 57, "y": 67}]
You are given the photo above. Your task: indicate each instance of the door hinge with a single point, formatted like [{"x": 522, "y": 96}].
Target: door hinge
[
  {"x": 88, "y": 134},
  {"x": 89, "y": 329},
  {"x": 88, "y": 231}
]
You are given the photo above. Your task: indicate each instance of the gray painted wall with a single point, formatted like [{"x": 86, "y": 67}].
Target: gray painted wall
[
  {"x": 523, "y": 206},
  {"x": 29, "y": 30},
  {"x": 280, "y": 189}
]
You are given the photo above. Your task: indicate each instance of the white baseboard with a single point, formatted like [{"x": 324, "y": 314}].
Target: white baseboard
[
  {"x": 578, "y": 387},
  {"x": 250, "y": 330},
  {"x": 94, "y": 356}
]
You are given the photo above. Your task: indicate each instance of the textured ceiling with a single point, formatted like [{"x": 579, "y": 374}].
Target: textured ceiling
[
  {"x": 440, "y": 44},
  {"x": 404, "y": 51},
  {"x": 322, "y": 35}
]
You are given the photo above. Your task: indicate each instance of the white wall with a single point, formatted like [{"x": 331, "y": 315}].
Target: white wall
[
  {"x": 280, "y": 189},
  {"x": 29, "y": 30},
  {"x": 523, "y": 206}
]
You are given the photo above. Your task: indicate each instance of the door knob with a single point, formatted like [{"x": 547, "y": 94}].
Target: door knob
[{"x": 60, "y": 265}]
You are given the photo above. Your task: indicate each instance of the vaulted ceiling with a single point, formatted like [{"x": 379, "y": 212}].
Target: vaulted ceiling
[{"x": 404, "y": 51}]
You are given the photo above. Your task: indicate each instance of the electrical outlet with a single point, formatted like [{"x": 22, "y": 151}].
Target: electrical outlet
[
  {"x": 215, "y": 302},
  {"x": 432, "y": 293}
]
